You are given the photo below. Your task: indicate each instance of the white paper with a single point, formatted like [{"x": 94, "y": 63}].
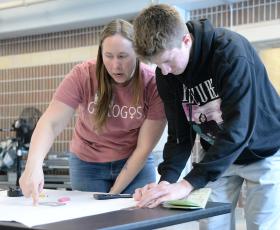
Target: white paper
[{"x": 21, "y": 209}]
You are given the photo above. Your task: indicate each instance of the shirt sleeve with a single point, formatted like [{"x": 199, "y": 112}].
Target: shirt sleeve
[
  {"x": 70, "y": 90},
  {"x": 178, "y": 147},
  {"x": 239, "y": 102}
]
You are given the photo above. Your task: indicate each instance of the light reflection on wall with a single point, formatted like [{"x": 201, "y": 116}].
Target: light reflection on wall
[{"x": 271, "y": 59}]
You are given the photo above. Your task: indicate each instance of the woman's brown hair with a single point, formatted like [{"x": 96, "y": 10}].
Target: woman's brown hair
[{"x": 105, "y": 89}]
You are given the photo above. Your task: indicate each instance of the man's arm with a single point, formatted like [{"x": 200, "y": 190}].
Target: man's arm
[
  {"x": 179, "y": 143},
  {"x": 239, "y": 102}
]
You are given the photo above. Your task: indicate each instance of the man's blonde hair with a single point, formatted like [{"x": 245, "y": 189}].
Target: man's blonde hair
[{"x": 157, "y": 28}]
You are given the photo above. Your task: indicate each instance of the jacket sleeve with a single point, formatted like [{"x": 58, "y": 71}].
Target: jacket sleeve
[
  {"x": 237, "y": 89},
  {"x": 177, "y": 148}
]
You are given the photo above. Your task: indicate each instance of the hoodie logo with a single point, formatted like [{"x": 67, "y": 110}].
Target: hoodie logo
[
  {"x": 205, "y": 113},
  {"x": 200, "y": 93}
]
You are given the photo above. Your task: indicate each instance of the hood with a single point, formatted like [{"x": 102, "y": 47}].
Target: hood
[{"x": 202, "y": 33}]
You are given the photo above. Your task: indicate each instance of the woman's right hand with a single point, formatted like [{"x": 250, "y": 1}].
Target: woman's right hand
[
  {"x": 32, "y": 182},
  {"x": 49, "y": 126}
]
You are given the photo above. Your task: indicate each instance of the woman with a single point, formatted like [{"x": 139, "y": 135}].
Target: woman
[{"x": 120, "y": 119}]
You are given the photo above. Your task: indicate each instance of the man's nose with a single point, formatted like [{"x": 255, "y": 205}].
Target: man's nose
[{"x": 165, "y": 69}]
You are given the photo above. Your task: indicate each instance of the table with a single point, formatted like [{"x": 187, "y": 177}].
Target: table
[{"x": 132, "y": 219}]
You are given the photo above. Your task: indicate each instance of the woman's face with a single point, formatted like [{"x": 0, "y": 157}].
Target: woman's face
[{"x": 119, "y": 58}]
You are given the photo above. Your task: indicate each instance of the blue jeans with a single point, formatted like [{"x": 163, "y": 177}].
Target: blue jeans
[{"x": 100, "y": 177}]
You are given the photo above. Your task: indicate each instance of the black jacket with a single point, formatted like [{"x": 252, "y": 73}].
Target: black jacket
[{"x": 225, "y": 96}]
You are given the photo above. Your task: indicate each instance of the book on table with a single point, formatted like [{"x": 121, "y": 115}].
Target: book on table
[{"x": 197, "y": 199}]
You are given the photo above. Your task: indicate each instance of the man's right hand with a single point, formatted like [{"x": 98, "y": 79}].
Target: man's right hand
[
  {"x": 154, "y": 194},
  {"x": 32, "y": 182}
]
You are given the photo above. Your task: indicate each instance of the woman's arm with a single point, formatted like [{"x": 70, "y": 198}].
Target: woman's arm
[
  {"x": 52, "y": 122},
  {"x": 149, "y": 134}
]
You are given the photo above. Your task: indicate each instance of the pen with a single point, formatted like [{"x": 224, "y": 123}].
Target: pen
[{"x": 100, "y": 196}]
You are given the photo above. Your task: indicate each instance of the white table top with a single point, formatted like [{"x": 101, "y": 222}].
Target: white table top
[{"x": 21, "y": 209}]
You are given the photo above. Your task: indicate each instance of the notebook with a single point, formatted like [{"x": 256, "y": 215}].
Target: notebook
[{"x": 197, "y": 199}]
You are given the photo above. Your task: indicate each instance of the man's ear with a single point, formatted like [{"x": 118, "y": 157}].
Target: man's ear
[{"x": 187, "y": 39}]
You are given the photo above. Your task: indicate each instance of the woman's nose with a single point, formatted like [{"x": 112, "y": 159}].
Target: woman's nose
[{"x": 116, "y": 63}]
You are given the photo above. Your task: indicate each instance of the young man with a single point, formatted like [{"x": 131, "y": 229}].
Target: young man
[{"x": 217, "y": 73}]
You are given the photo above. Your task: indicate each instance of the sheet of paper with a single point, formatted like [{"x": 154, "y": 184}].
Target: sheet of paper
[{"x": 20, "y": 209}]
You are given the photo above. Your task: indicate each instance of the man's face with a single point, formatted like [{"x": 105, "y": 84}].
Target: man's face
[{"x": 174, "y": 60}]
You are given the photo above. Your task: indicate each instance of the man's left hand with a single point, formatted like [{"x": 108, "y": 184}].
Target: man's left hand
[{"x": 152, "y": 195}]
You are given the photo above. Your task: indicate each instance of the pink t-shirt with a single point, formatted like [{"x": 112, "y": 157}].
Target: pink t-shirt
[{"x": 118, "y": 140}]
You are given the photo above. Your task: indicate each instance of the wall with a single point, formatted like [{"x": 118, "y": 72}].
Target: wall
[
  {"x": 32, "y": 67},
  {"x": 271, "y": 59}
]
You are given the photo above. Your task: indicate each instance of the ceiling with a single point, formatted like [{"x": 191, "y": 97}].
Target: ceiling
[{"x": 27, "y": 17}]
